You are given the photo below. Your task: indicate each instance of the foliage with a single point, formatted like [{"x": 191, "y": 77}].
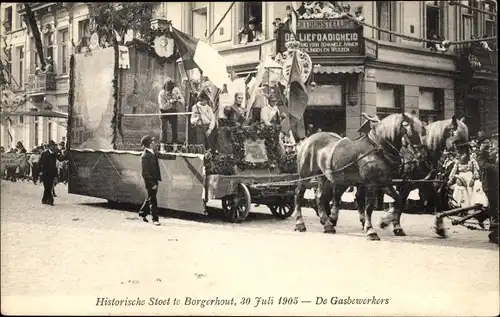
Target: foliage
[
  {"x": 116, "y": 121},
  {"x": 122, "y": 17},
  {"x": 148, "y": 47},
  {"x": 217, "y": 163},
  {"x": 288, "y": 162}
]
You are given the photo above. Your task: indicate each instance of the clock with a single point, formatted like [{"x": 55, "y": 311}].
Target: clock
[
  {"x": 305, "y": 65},
  {"x": 164, "y": 46}
]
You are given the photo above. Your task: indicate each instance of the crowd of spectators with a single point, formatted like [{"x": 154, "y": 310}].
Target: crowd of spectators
[{"x": 30, "y": 171}]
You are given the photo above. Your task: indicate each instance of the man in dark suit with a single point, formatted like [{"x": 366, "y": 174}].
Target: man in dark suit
[
  {"x": 48, "y": 168},
  {"x": 152, "y": 176}
]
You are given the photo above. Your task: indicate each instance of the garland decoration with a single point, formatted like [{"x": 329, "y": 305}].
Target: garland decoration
[
  {"x": 288, "y": 162},
  {"x": 148, "y": 47},
  {"x": 217, "y": 163},
  {"x": 220, "y": 164},
  {"x": 417, "y": 39},
  {"x": 71, "y": 99},
  {"x": 116, "y": 74}
]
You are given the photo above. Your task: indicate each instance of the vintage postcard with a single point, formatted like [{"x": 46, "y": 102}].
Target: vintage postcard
[{"x": 306, "y": 158}]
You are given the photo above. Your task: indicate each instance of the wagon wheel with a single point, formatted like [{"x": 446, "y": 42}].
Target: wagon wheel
[
  {"x": 283, "y": 209},
  {"x": 236, "y": 208}
]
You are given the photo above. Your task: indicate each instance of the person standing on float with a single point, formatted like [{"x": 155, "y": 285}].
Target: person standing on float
[{"x": 170, "y": 99}]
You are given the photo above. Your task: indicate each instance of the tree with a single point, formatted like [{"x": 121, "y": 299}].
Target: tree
[{"x": 122, "y": 17}]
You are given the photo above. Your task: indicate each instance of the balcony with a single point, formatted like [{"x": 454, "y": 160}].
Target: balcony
[
  {"x": 478, "y": 58},
  {"x": 41, "y": 83}
]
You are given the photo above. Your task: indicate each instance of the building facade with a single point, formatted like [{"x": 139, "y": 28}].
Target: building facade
[
  {"x": 356, "y": 70},
  {"x": 60, "y": 25}
]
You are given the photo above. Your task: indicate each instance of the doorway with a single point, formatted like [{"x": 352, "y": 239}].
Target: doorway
[
  {"x": 473, "y": 116},
  {"x": 328, "y": 119}
]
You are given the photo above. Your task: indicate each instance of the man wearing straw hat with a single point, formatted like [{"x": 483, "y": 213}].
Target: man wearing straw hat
[{"x": 152, "y": 176}]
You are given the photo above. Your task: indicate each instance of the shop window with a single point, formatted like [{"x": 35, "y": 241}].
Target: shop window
[
  {"x": 431, "y": 104},
  {"x": 386, "y": 19},
  {"x": 390, "y": 99},
  {"x": 433, "y": 22},
  {"x": 200, "y": 21}
]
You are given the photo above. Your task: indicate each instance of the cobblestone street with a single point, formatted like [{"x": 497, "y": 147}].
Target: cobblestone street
[{"x": 61, "y": 259}]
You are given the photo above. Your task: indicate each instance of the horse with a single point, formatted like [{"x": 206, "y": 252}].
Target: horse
[
  {"x": 440, "y": 136},
  {"x": 339, "y": 162}
]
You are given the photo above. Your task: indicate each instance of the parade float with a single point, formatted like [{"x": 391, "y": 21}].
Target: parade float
[{"x": 113, "y": 103}]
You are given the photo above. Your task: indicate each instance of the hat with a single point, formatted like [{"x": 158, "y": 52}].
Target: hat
[
  {"x": 253, "y": 20},
  {"x": 146, "y": 140},
  {"x": 51, "y": 142}
]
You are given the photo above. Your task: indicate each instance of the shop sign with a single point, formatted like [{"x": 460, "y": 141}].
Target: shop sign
[
  {"x": 371, "y": 49},
  {"x": 329, "y": 37}
]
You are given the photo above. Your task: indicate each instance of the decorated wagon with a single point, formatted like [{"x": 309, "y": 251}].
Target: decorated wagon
[{"x": 113, "y": 103}]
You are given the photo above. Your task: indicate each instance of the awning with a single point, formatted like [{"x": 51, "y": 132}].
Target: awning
[
  {"x": 43, "y": 113},
  {"x": 340, "y": 69}
]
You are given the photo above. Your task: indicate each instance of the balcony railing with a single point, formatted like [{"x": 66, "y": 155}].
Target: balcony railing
[
  {"x": 478, "y": 57},
  {"x": 42, "y": 82}
]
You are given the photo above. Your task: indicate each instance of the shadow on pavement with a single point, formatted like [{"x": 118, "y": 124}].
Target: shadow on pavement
[{"x": 214, "y": 216}]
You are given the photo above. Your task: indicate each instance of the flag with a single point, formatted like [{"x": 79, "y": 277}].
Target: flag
[
  {"x": 293, "y": 17},
  {"x": 297, "y": 100},
  {"x": 30, "y": 20},
  {"x": 253, "y": 90},
  {"x": 198, "y": 54}
]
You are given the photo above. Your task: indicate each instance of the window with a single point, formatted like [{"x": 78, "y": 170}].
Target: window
[
  {"x": 21, "y": 119},
  {"x": 18, "y": 20},
  {"x": 490, "y": 20},
  {"x": 83, "y": 29},
  {"x": 63, "y": 41},
  {"x": 200, "y": 20},
  {"x": 433, "y": 19},
  {"x": 7, "y": 20},
  {"x": 20, "y": 65},
  {"x": 34, "y": 60},
  {"x": 431, "y": 104},
  {"x": 49, "y": 134},
  {"x": 386, "y": 19},
  {"x": 252, "y": 9},
  {"x": 8, "y": 66},
  {"x": 469, "y": 20},
  {"x": 390, "y": 99},
  {"x": 48, "y": 42},
  {"x": 36, "y": 133}
]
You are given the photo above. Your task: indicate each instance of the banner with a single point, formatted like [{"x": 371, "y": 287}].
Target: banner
[
  {"x": 329, "y": 37},
  {"x": 93, "y": 108},
  {"x": 13, "y": 159},
  {"x": 140, "y": 86}
]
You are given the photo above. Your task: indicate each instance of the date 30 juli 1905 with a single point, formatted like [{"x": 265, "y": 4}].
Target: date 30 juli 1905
[{"x": 242, "y": 301}]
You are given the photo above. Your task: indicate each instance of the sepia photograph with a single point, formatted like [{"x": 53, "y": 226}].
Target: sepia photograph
[{"x": 302, "y": 158}]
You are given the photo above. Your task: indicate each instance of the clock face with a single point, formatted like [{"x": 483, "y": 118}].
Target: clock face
[{"x": 305, "y": 65}]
